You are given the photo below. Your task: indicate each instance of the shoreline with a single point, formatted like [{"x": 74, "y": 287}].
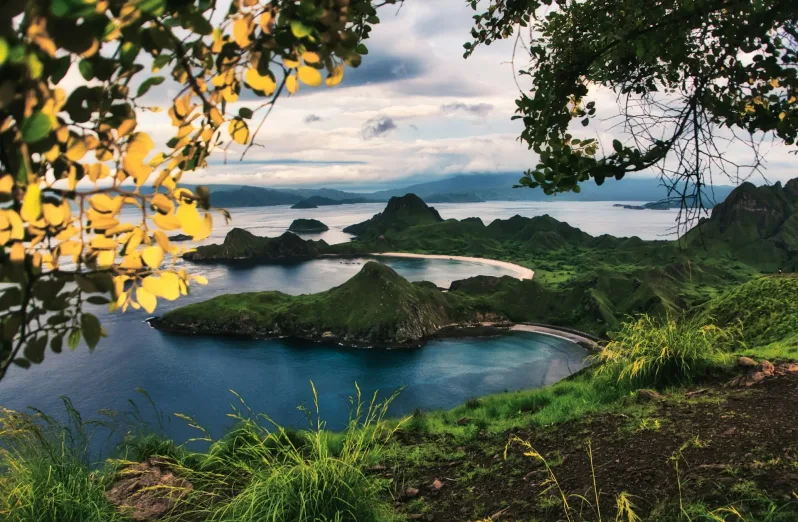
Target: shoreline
[{"x": 521, "y": 271}]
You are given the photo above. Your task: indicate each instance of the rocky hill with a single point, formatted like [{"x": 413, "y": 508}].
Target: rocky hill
[
  {"x": 400, "y": 213},
  {"x": 243, "y": 246},
  {"x": 321, "y": 201}
]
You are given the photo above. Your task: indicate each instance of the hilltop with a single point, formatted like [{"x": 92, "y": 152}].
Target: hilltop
[
  {"x": 400, "y": 213},
  {"x": 242, "y": 245},
  {"x": 321, "y": 201}
]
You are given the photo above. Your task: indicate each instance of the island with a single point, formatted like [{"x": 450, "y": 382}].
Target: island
[
  {"x": 454, "y": 197},
  {"x": 243, "y": 246},
  {"x": 321, "y": 201},
  {"x": 180, "y": 237},
  {"x": 307, "y": 226},
  {"x": 375, "y": 308}
]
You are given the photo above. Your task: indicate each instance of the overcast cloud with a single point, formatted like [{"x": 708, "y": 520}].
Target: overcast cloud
[{"x": 415, "y": 108}]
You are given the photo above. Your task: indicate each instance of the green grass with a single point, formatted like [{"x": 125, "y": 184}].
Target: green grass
[
  {"x": 652, "y": 352},
  {"x": 46, "y": 474}
]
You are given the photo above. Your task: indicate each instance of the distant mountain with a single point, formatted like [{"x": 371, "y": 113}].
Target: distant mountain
[
  {"x": 498, "y": 187},
  {"x": 252, "y": 197},
  {"x": 454, "y": 197},
  {"x": 321, "y": 201},
  {"x": 400, "y": 213}
]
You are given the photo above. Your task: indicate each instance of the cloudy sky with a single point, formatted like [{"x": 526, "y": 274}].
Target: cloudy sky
[{"x": 414, "y": 111}]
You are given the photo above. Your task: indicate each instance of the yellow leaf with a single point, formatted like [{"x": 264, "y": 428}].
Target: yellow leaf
[
  {"x": 105, "y": 203},
  {"x": 202, "y": 280},
  {"x": 311, "y": 57},
  {"x": 774, "y": 83},
  {"x": 260, "y": 83},
  {"x": 103, "y": 243},
  {"x": 166, "y": 286},
  {"x": 241, "y": 29},
  {"x": 239, "y": 131},
  {"x": 229, "y": 93},
  {"x": 139, "y": 145},
  {"x": 205, "y": 229},
  {"x": 32, "y": 204},
  {"x": 309, "y": 76},
  {"x": 17, "y": 253},
  {"x": 792, "y": 100},
  {"x": 162, "y": 240},
  {"x": 292, "y": 84},
  {"x": 190, "y": 219},
  {"x": 336, "y": 76},
  {"x": 146, "y": 299},
  {"x": 17, "y": 228},
  {"x": 162, "y": 204},
  {"x": 132, "y": 261},
  {"x": 54, "y": 215},
  {"x": 119, "y": 229},
  {"x": 291, "y": 64},
  {"x": 6, "y": 184},
  {"x": 782, "y": 115},
  {"x": 97, "y": 171},
  {"x": 167, "y": 221},
  {"x": 153, "y": 256},
  {"x": 106, "y": 258},
  {"x": 77, "y": 149},
  {"x": 216, "y": 116},
  {"x": 266, "y": 21}
]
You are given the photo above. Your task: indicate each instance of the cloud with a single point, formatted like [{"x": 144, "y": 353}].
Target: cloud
[
  {"x": 312, "y": 118},
  {"x": 478, "y": 109},
  {"x": 377, "y": 126}
]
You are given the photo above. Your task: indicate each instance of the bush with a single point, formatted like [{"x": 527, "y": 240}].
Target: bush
[{"x": 653, "y": 352}]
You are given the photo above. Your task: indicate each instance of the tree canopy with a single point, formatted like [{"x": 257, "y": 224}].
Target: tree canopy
[
  {"x": 86, "y": 197},
  {"x": 690, "y": 77}
]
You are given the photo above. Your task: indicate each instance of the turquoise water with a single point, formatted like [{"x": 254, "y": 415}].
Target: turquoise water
[{"x": 193, "y": 375}]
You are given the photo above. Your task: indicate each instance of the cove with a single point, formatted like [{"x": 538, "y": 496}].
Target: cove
[{"x": 193, "y": 375}]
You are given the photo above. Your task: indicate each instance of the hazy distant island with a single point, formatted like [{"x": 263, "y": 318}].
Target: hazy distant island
[
  {"x": 307, "y": 226},
  {"x": 454, "y": 197},
  {"x": 668, "y": 204},
  {"x": 320, "y": 201}
]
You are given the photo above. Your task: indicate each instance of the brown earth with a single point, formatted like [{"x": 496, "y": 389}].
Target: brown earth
[
  {"x": 733, "y": 445},
  {"x": 148, "y": 490}
]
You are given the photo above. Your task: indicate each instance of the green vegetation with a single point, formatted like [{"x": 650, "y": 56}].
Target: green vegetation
[
  {"x": 400, "y": 213},
  {"x": 241, "y": 245},
  {"x": 658, "y": 352}
]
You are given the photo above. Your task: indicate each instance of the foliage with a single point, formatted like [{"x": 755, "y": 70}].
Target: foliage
[
  {"x": 45, "y": 474},
  {"x": 650, "y": 351},
  {"x": 687, "y": 75},
  {"x": 72, "y": 160}
]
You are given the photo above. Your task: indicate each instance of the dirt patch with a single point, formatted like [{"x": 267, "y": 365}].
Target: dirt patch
[
  {"x": 148, "y": 491},
  {"x": 729, "y": 444}
]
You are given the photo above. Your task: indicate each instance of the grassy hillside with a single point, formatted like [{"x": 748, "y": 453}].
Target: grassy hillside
[{"x": 400, "y": 213}]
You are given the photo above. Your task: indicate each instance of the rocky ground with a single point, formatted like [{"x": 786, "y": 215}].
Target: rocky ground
[{"x": 730, "y": 442}]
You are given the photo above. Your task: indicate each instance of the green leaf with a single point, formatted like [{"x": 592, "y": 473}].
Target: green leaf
[
  {"x": 91, "y": 329},
  {"x": 56, "y": 344},
  {"x": 154, "y": 7},
  {"x": 617, "y": 145},
  {"x": 36, "y": 127},
  {"x": 86, "y": 69},
  {"x": 245, "y": 112},
  {"x": 98, "y": 300},
  {"x": 3, "y": 51},
  {"x": 34, "y": 349},
  {"x": 361, "y": 49},
  {"x": 74, "y": 339},
  {"x": 299, "y": 29},
  {"x": 148, "y": 83},
  {"x": 22, "y": 363}
]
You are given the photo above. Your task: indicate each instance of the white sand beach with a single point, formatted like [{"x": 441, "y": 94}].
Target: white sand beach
[{"x": 521, "y": 272}]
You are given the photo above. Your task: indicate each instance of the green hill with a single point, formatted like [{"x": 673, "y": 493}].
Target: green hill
[
  {"x": 377, "y": 306},
  {"x": 400, "y": 213},
  {"x": 242, "y": 245}
]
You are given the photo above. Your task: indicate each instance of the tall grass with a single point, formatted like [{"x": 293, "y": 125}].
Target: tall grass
[
  {"x": 45, "y": 473},
  {"x": 656, "y": 352}
]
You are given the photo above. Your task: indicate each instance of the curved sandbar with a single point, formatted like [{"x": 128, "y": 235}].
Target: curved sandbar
[
  {"x": 568, "y": 335},
  {"x": 522, "y": 272}
]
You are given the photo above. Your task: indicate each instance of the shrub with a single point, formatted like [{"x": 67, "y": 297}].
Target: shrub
[{"x": 653, "y": 352}]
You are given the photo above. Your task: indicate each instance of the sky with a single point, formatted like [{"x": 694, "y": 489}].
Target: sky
[{"x": 415, "y": 110}]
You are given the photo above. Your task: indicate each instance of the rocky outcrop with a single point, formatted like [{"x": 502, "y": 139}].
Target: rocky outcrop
[{"x": 148, "y": 490}]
